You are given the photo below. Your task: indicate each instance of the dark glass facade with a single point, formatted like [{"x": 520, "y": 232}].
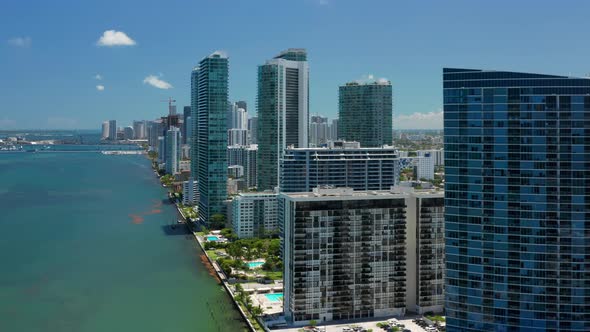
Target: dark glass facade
[
  {"x": 517, "y": 196},
  {"x": 365, "y": 113},
  {"x": 211, "y": 134}
]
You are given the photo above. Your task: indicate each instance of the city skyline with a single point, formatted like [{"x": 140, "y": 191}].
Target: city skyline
[{"x": 80, "y": 81}]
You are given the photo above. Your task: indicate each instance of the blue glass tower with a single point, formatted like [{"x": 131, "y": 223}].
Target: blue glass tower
[
  {"x": 517, "y": 162},
  {"x": 210, "y": 99}
]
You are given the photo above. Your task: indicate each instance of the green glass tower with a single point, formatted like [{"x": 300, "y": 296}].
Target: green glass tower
[
  {"x": 194, "y": 118},
  {"x": 210, "y": 96},
  {"x": 365, "y": 113},
  {"x": 283, "y": 112}
]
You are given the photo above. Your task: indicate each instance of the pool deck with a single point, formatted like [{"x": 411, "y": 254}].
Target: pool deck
[{"x": 269, "y": 307}]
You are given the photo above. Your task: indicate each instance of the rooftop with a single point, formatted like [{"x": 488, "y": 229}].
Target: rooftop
[
  {"x": 293, "y": 54},
  {"x": 344, "y": 145},
  {"x": 347, "y": 193}
]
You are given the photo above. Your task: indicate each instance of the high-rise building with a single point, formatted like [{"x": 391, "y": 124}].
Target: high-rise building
[
  {"x": 105, "y": 130},
  {"x": 341, "y": 165},
  {"x": 237, "y": 118},
  {"x": 128, "y": 132},
  {"x": 283, "y": 116},
  {"x": 186, "y": 113},
  {"x": 334, "y": 130},
  {"x": 255, "y": 214},
  {"x": 173, "y": 151},
  {"x": 319, "y": 131},
  {"x": 237, "y": 137},
  {"x": 425, "y": 268},
  {"x": 139, "y": 129},
  {"x": 112, "y": 130},
  {"x": 253, "y": 130},
  {"x": 192, "y": 140},
  {"x": 517, "y": 157},
  {"x": 244, "y": 156},
  {"x": 211, "y": 113},
  {"x": 344, "y": 254},
  {"x": 154, "y": 130},
  {"x": 242, "y": 104},
  {"x": 161, "y": 150},
  {"x": 365, "y": 113}
]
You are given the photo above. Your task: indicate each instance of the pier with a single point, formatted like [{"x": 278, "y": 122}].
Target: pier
[{"x": 123, "y": 152}]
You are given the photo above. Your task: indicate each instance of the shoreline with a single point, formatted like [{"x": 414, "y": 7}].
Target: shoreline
[
  {"x": 223, "y": 280},
  {"x": 212, "y": 266}
]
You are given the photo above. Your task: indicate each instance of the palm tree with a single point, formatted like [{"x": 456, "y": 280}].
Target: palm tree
[{"x": 257, "y": 311}]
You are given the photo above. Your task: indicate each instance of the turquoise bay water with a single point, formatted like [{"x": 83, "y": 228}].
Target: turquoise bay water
[{"x": 85, "y": 245}]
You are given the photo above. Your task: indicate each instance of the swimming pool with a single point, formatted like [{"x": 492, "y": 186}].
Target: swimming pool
[
  {"x": 212, "y": 238},
  {"x": 254, "y": 265},
  {"x": 274, "y": 297}
]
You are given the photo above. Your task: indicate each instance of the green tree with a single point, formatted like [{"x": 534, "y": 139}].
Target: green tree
[
  {"x": 239, "y": 288},
  {"x": 235, "y": 250},
  {"x": 226, "y": 266},
  {"x": 217, "y": 221},
  {"x": 313, "y": 322},
  {"x": 257, "y": 311},
  {"x": 248, "y": 303}
]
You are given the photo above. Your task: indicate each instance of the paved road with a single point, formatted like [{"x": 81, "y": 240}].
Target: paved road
[{"x": 368, "y": 325}]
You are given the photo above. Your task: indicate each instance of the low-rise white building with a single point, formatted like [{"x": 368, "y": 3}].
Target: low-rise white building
[
  {"x": 184, "y": 166},
  {"x": 437, "y": 154},
  {"x": 424, "y": 167},
  {"x": 190, "y": 192},
  {"x": 255, "y": 214}
]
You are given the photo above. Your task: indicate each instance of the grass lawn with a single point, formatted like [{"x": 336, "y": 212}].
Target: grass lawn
[
  {"x": 276, "y": 275},
  {"x": 212, "y": 254},
  {"x": 436, "y": 318},
  {"x": 200, "y": 233}
]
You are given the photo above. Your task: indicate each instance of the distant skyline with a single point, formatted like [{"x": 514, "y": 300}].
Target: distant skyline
[{"x": 70, "y": 65}]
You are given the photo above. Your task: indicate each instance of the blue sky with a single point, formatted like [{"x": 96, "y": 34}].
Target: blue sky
[{"x": 49, "y": 57}]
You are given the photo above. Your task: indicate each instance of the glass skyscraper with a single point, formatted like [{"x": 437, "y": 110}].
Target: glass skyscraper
[
  {"x": 283, "y": 116},
  {"x": 210, "y": 102},
  {"x": 517, "y": 163},
  {"x": 365, "y": 113},
  {"x": 194, "y": 124}
]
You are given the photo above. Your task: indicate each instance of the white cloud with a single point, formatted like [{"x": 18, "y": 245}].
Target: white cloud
[
  {"x": 115, "y": 38},
  {"x": 429, "y": 120},
  {"x": 156, "y": 82},
  {"x": 100, "y": 87},
  {"x": 20, "y": 41},
  {"x": 98, "y": 77}
]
